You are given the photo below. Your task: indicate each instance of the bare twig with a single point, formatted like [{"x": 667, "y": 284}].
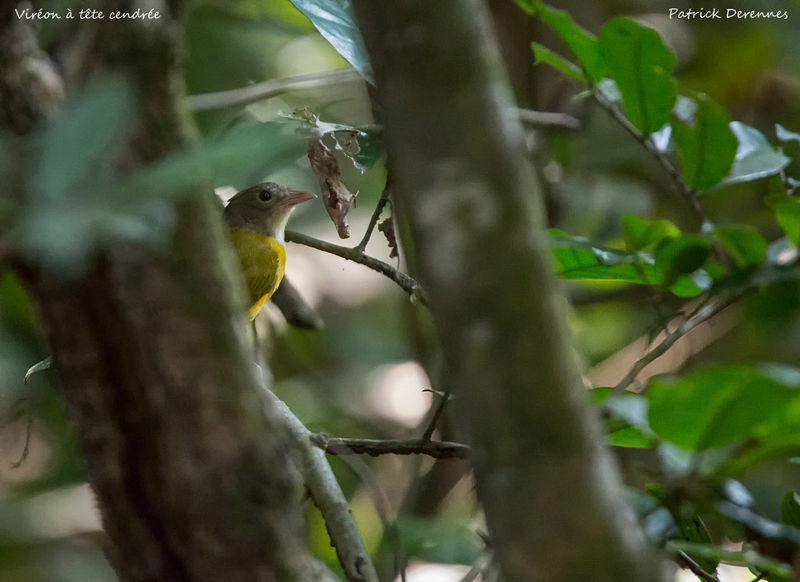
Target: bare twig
[
  {"x": 697, "y": 317},
  {"x": 376, "y": 214},
  {"x": 408, "y": 284},
  {"x": 426, "y": 436},
  {"x": 372, "y": 447},
  {"x": 686, "y": 191},
  {"x": 548, "y": 119},
  {"x": 684, "y": 560},
  {"x": 268, "y": 89}
]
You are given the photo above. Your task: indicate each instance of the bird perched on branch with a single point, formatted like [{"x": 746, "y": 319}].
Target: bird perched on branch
[{"x": 256, "y": 218}]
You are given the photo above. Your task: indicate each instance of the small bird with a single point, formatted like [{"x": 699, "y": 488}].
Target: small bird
[{"x": 256, "y": 218}]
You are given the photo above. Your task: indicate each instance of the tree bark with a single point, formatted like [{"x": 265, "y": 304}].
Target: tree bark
[
  {"x": 189, "y": 460},
  {"x": 552, "y": 496}
]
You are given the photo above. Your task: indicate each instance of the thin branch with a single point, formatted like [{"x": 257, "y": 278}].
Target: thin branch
[
  {"x": 376, "y": 214},
  {"x": 426, "y": 436},
  {"x": 684, "y": 560},
  {"x": 408, "y": 284},
  {"x": 380, "y": 502},
  {"x": 548, "y": 119},
  {"x": 686, "y": 191},
  {"x": 696, "y": 318},
  {"x": 374, "y": 448},
  {"x": 479, "y": 567},
  {"x": 268, "y": 89},
  {"x": 328, "y": 497}
]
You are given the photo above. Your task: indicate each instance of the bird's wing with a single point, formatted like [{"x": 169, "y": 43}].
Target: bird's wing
[{"x": 262, "y": 260}]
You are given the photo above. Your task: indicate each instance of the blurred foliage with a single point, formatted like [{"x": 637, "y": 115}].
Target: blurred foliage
[{"x": 721, "y": 434}]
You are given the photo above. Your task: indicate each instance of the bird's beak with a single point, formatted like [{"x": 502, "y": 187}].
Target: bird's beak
[{"x": 294, "y": 197}]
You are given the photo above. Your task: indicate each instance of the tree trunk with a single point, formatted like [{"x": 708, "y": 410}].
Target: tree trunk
[
  {"x": 552, "y": 497},
  {"x": 187, "y": 457}
]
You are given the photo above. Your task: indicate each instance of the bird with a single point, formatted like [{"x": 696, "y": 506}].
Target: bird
[{"x": 256, "y": 219}]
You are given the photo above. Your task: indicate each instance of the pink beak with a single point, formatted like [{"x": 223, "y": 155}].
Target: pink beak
[{"x": 297, "y": 196}]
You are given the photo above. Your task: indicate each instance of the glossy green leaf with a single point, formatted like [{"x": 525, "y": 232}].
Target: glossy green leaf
[
  {"x": 744, "y": 244},
  {"x": 680, "y": 255},
  {"x": 578, "y": 258},
  {"x": 642, "y": 67},
  {"x": 641, "y": 233},
  {"x": 582, "y": 43},
  {"x": 755, "y": 157},
  {"x": 706, "y": 148},
  {"x": 335, "y": 22},
  {"x": 544, "y": 55},
  {"x": 715, "y": 406}
]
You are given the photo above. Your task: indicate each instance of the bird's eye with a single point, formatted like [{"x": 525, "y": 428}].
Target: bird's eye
[{"x": 265, "y": 195}]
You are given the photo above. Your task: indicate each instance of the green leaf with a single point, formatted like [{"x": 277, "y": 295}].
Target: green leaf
[
  {"x": 787, "y": 213},
  {"x": 640, "y": 233},
  {"x": 642, "y": 67},
  {"x": 680, "y": 255},
  {"x": 790, "y": 509},
  {"x": 335, "y": 22},
  {"x": 542, "y": 54},
  {"x": 755, "y": 157},
  {"x": 706, "y": 149},
  {"x": 579, "y": 258},
  {"x": 715, "y": 406},
  {"x": 435, "y": 541},
  {"x": 630, "y": 437},
  {"x": 79, "y": 147},
  {"x": 692, "y": 529},
  {"x": 582, "y": 43},
  {"x": 744, "y": 244}
]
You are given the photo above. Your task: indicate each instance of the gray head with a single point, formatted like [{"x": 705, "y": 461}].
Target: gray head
[{"x": 264, "y": 208}]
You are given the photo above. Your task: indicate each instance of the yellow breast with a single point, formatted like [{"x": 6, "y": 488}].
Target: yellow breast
[{"x": 262, "y": 260}]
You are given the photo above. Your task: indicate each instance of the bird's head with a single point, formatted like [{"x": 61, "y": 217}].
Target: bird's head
[{"x": 264, "y": 208}]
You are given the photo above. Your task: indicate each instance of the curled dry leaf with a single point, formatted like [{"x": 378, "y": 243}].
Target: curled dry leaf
[
  {"x": 335, "y": 195},
  {"x": 387, "y": 228}
]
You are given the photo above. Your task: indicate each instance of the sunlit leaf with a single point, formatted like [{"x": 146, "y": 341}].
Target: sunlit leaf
[
  {"x": 706, "y": 147},
  {"x": 640, "y": 233},
  {"x": 335, "y": 22},
  {"x": 642, "y": 67}
]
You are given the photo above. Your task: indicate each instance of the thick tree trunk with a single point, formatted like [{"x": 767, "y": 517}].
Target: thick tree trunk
[
  {"x": 552, "y": 498},
  {"x": 189, "y": 461}
]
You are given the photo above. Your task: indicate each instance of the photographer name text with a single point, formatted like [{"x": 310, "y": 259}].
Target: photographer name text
[{"x": 727, "y": 14}]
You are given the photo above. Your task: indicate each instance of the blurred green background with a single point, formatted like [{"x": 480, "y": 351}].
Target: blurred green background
[{"x": 361, "y": 375}]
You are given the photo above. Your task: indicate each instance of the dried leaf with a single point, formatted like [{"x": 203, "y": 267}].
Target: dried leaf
[
  {"x": 387, "y": 228},
  {"x": 335, "y": 195}
]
